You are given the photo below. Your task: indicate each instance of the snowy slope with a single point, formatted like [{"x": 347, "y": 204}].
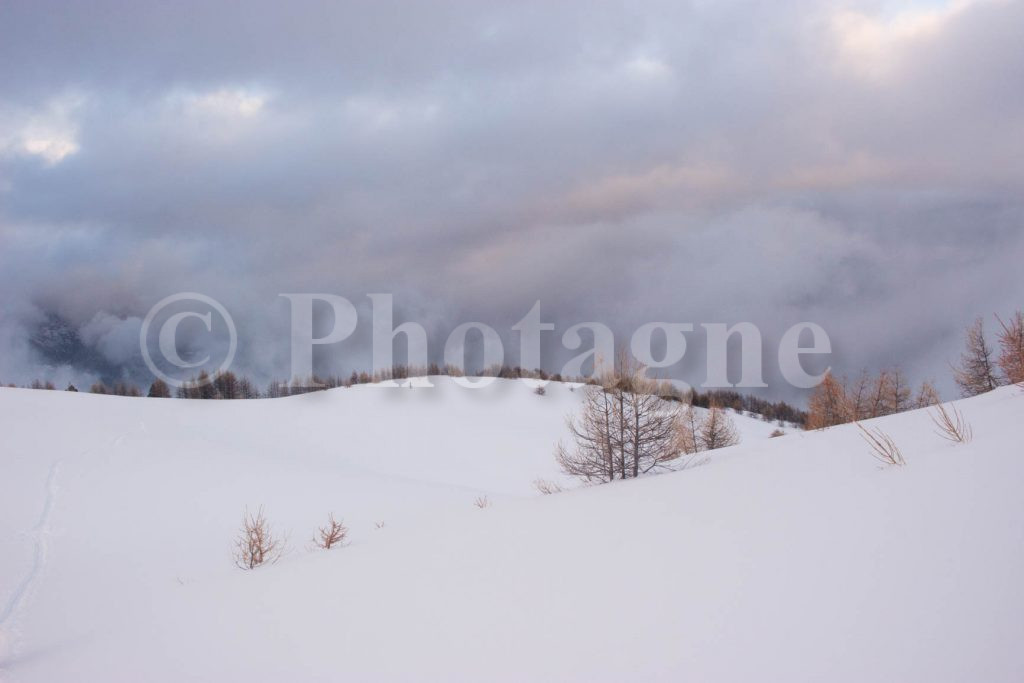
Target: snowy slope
[{"x": 795, "y": 558}]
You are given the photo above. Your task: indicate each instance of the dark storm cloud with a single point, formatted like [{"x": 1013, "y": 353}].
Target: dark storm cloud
[{"x": 858, "y": 166}]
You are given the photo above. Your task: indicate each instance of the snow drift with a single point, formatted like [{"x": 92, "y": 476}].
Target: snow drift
[{"x": 796, "y": 558}]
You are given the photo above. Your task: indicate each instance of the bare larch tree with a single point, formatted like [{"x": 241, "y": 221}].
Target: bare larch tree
[
  {"x": 1011, "y": 348},
  {"x": 828, "y": 405},
  {"x": 976, "y": 372},
  {"x": 717, "y": 430},
  {"x": 624, "y": 429}
]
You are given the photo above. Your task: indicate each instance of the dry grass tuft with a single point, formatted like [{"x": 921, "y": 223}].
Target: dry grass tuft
[
  {"x": 546, "y": 487},
  {"x": 951, "y": 424},
  {"x": 883, "y": 448}
]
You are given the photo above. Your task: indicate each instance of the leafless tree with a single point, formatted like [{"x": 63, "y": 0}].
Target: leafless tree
[
  {"x": 880, "y": 391},
  {"x": 650, "y": 424},
  {"x": 858, "y": 396},
  {"x": 592, "y": 457},
  {"x": 951, "y": 424},
  {"x": 976, "y": 373},
  {"x": 688, "y": 426},
  {"x": 828, "y": 405},
  {"x": 256, "y": 544},
  {"x": 624, "y": 430},
  {"x": 927, "y": 396},
  {"x": 1011, "y": 348},
  {"x": 226, "y": 384},
  {"x": 159, "y": 389},
  {"x": 331, "y": 535},
  {"x": 898, "y": 399},
  {"x": 247, "y": 389},
  {"x": 717, "y": 430}
]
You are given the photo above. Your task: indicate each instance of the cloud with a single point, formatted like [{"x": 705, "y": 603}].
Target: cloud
[
  {"x": 116, "y": 338},
  {"x": 225, "y": 102},
  {"x": 48, "y": 132},
  {"x": 693, "y": 162},
  {"x": 874, "y": 45}
]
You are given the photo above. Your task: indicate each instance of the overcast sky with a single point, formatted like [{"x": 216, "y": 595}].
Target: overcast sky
[{"x": 859, "y": 165}]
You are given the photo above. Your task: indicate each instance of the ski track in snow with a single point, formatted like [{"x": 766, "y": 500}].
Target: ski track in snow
[{"x": 41, "y": 534}]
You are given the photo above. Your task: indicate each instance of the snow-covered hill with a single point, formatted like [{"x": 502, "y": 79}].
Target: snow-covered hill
[{"x": 796, "y": 558}]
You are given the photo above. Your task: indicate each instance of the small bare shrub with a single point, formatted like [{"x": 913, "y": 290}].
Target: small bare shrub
[
  {"x": 378, "y": 525},
  {"x": 482, "y": 502},
  {"x": 951, "y": 424},
  {"x": 883, "y": 448},
  {"x": 546, "y": 487},
  {"x": 256, "y": 544},
  {"x": 331, "y": 535},
  {"x": 540, "y": 391},
  {"x": 777, "y": 432}
]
